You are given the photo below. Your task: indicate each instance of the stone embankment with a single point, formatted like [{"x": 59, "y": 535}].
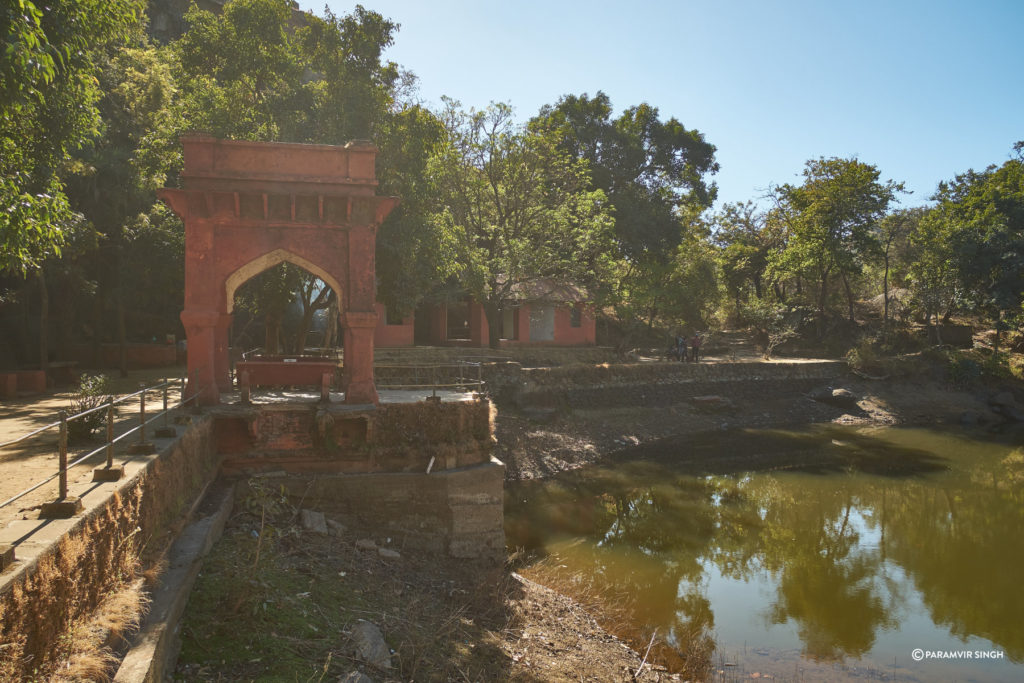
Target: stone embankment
[{"x": 651, "y": 384}]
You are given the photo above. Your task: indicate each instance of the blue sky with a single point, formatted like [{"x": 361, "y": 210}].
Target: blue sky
[{"x": 923, "y": 90}]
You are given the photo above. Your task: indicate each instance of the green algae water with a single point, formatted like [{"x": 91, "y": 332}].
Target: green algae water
[{"x": 820, "y": 554}]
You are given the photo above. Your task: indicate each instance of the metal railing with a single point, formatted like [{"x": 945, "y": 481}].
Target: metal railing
[
  {"x": 462, "y": 375},
  {"x": 333, "y": 353},
  {"x": 62, "y": 439}
]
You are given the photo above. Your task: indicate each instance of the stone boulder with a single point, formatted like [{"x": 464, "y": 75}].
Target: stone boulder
[
  {"x": 368, "y": 645},
  {"x": 1006, "y": 405},
  {"x": 841, "y": 398}
]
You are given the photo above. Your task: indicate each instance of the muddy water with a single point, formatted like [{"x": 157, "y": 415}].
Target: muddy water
[{"x": 824, "y": 554}]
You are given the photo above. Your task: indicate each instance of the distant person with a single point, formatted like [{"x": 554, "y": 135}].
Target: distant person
[
  {"x": 681, "y": 347},
  {"x": 695, "y": 348}
]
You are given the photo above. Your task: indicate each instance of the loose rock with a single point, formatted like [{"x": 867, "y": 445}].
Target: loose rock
[
  {"x": 369, "y": 645},
  {"x": 366, "y": 544},
  {"x": 314, "y": 521},
  {"x": 389, "y": 554},
  {"x": 355, "y": 677}
]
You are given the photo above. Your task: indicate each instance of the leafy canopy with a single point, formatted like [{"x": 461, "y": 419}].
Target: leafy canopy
[
  {"x": 48, "y": 107},
  {"x": 652, "y": 171},
  {"x": 516, "y": 209}
]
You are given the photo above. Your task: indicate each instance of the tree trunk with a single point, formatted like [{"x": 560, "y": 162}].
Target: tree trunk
[
  {"x": 44, "y": 321},
  {"x": 303, "y": 332},
  {"x": 331, "y": 333},
  {"x": 822, "y": 300},
  {"x": 885, "y": 293},
  {"x": 493, "y": 314},
  {"x": 122, "y": 333},
  {"x": 272, "y": 322},
  {"x": 757, "y": 287},
  {"x": 999, "y": 333},
  {"x": 849, "y": 297}
]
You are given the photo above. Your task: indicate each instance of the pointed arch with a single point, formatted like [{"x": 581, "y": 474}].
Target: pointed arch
[{"x": 268, "y": 261}]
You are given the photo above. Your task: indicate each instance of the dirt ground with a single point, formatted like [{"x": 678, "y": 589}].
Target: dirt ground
[
  {"x": 28, "y": 462},
  {"x": 300, "y": 594}
]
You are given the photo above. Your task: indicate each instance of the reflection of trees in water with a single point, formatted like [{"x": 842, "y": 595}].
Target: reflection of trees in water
[
  {"x": 826, "y": 581},
  {"x": 963, "y": 547},
  {"x": 959, "y": 544}
]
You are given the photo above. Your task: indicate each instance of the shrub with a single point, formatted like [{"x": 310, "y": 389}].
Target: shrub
[
  {"x": 93, "y": 391},
  {"x": 964, "y": 372}
]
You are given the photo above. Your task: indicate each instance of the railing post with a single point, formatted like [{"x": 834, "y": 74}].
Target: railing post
[
  {"x": 62, "y": 450},
  {"x": 109, "y": 472},
  {"x": 142, "y": 413},
  {"x": 167, "y": 431},
  {"x": 110, "y": 431},
  {"x": 142, "y": 447},
  {"x": 65, "y": 506},
  {"x": 433, "y": 398}
]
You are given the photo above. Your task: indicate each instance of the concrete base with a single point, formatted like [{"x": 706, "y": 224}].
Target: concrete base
[
  {"x": 6, "y": 556},
  {"x": 107, "y": 474},
  {"x": 141, "y": 448},
  {"x": 62, "y": 508},
  {"x": 455, "y": 512},
  {"x": 156, "y": 646}
]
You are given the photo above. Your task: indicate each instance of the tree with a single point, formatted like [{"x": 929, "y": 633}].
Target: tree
[
  {"x": 651, "y": 170},
  {"x": 516, "y": 210},
  {"x": 112, "y": 181},
  {"x": 745, "y": 240},
  {"x": 982, "y": 217},
  {"x": 48, "y": 108},
  {"x": 831, "y": 220},
  {"x": 412, "y": 255},
  {"x": 894, "y": 233}
]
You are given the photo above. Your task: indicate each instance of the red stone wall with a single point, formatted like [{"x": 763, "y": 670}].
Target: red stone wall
[{"x": 139, "y": 355}]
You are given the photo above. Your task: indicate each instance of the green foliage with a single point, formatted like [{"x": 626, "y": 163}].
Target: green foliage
[
  {"x": 773, "y": 322},
  {"x": 516, "y": 210},
  {"x": 48, "y": 107},
  {"x": 746, "y": 239},
  {"x": 975, "y": 235},
  {"x": 93, "y": 391},
  {"x": 652, "y": 171},
  {"x": 831, "y": 221}
]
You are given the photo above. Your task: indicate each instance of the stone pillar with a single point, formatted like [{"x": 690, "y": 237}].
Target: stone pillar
[
  {"x": 357, "y": 375},
  {"x": 221, "y": 354},
  {"x": 523, "y": 320},
  {"x": 478, "y": 325},
  {"x": 201, "y": 333}
]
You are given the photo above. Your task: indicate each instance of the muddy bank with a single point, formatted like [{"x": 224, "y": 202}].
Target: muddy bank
[{"x": 538, "y": 444}]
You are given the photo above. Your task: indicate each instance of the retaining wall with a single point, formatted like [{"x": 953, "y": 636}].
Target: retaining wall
[
  {"x": 65, "y": 568},
  {"x": 658, "y": 383},
  {"x": 334, "y": 438},
  {"x": 456, "y": 512}
]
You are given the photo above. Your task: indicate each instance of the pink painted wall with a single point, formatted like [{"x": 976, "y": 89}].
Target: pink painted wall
[
  {"x": 564, "y": 333},
  {"x": 392, "y": 335}
]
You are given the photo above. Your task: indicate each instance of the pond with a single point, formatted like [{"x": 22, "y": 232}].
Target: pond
[{"x": 824, "y": 553}]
